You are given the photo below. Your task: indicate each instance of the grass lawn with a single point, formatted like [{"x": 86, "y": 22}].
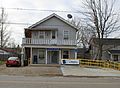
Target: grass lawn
[{"x": 1, "y": 62}]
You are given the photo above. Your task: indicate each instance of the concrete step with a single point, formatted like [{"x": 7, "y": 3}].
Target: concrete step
[{"x": 44, "y": 65}]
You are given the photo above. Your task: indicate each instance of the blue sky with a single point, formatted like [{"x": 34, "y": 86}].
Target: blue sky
[{"x": 18, "y": 16}]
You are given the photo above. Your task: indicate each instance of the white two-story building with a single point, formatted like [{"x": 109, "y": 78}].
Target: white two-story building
[{"x": 50, "y": 40}]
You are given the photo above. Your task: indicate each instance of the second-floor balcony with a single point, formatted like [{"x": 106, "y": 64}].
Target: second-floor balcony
[{"x": 48, "y": 41}]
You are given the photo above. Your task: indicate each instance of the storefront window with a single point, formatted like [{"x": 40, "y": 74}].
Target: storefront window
[
  {"x": 65, "y": 54},
  {"x": 41, "y": 56}
]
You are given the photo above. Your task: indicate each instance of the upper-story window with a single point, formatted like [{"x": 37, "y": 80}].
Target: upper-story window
[
  {"x": 47, "y": 34},
  {"x": 41, "y": 34},
  {"x": 66, "y": 34},
  {"x": 53, "y": 35},
  {"x": 35, "y": 34}
]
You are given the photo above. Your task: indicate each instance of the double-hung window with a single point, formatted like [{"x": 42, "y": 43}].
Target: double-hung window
[
  {"x": 41, "y": 34},
  {"x": 35, "y": 35},
  {"x": 53, "y": 34},
  {"x": 66, "y": 34}
]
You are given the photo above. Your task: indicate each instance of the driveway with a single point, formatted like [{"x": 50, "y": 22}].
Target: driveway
[
  {"x": 30, "y": 71},
  {"x": 69, "y": 70}
]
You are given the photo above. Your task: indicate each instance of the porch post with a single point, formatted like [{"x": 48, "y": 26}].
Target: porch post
[
  {"x": 75, "y": 53},
  {"x": 31, "y": 61},
  {"x": 111, "y": 57},
  {"x": 59, "y": 56},
  {"x": 22, "y": 56},
  {"x": 46, "y": 56}
]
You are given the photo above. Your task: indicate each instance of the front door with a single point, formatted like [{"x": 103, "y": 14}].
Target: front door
[
  {"x": 41, "y": 56},
  {"x": 53, "y": 57}
]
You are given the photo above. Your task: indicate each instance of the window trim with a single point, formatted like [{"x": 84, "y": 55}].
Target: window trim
[
  {"x": 42, "y": 33},
  {"x": 52, "y": 34},
  {"x": 34, "y": 34},
  {"x": 115, "y": 59},
  {"x": 68, "y": 54},
  {"x": 65, "y": 35}
]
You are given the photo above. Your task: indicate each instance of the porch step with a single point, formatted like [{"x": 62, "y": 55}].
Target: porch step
[{"x": 44, "y": 65}]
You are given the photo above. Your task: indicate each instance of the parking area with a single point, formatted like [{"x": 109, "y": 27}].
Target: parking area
[
  {"x": 70, "y": 70},
  {"x": 30, "y": 71}
]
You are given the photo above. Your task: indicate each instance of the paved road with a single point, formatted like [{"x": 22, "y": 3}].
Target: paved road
[{"x": 57, "y": 82}]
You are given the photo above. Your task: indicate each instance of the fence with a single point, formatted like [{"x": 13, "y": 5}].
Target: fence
[{"x": 100, "y": 63}]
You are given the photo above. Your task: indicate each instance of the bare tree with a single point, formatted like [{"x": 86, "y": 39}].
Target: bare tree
[
  {"x": 84, "y": 33},
  {"x": 11, "y": 43},
  {"x": 4, "y": 33},
  {"x": 102, "y": 19}
]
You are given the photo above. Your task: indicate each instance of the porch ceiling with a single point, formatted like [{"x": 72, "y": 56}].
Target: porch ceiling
[{"x": 38, "y": 46}]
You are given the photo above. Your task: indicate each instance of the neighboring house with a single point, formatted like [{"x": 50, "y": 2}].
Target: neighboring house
[
  {"x": 3, "y": 52},
  {"x": 50, "y": 40},
  {"x": 83, "y": 53},
  {"x": 7, "y": 52},
  {"x": 111, "y": 48}
]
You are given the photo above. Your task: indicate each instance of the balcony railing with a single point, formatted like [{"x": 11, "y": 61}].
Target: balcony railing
[{"x": 48, "y": 41}]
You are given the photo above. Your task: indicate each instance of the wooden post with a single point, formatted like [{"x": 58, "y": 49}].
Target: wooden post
[
  {"x": 75, "y": 53},
  {"x": 22, "y": 56},
  {"x": 59, "y": 56},
  {"x": 46, "y": 56},
  {"x": 31, "y": 61}
]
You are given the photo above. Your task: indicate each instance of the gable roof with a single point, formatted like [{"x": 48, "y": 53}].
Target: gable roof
[{"x": 49, "y": 17}]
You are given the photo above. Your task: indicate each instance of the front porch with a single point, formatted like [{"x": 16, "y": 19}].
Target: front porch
[{"x": 48, "y": 56}]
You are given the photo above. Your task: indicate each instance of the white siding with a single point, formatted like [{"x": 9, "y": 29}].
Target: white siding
[{"x": 60, "y": 25}]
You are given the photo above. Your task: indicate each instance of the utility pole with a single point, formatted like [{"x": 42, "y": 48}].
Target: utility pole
[{"x": 1, "y": 31}]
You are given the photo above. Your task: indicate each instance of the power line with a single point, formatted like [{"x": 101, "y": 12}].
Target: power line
[
  {"x": 39, "y": 10},
  {"x": 63, "y": 11},
  {"x": 29, "y": 24},
  {"x": 17, "y": 23}
]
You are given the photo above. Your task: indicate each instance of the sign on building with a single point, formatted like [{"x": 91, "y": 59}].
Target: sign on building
[{"x": 74, "y": 62}]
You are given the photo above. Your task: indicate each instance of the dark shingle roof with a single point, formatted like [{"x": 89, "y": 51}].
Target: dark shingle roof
[
  {"x": 107, "y": 41},
  {"x": 114, "y": 51}
]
